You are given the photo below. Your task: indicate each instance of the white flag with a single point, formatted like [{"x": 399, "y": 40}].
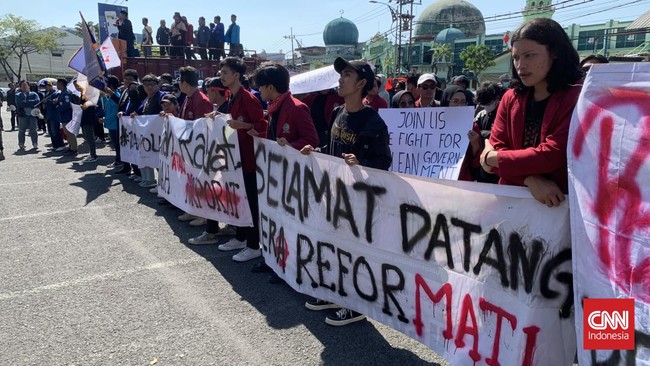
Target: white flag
[{"x": 111, "y": 59}]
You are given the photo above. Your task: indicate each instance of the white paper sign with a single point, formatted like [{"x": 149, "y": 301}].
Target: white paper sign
[
  {"x": 428, "y": 142},
  {"x": 315, "y": 80},
  {"x": 609, "y": 167},
  {"x": 140, "y": 140},
  {"x": 480, "y": 283},
  {"x": 200, "y": 170},
  {"x": 74, "y": 125}
]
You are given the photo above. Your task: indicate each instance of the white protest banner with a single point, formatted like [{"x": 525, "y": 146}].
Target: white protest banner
[
  {"x": 140, "y": 140},
  {"x": 428, "y": 142},
  {"x": 74, "y": 125},
  {"x": 483, "y": 283},
  {"x": 315, "y": 80},
  {"x": 609, "y": 168},
  {"x": 200, "y": 170}
]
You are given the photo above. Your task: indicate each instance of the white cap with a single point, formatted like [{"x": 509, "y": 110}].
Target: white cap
[{"x": 426, "y": 77}]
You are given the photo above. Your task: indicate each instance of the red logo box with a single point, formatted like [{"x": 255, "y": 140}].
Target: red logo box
[{"x": 608, "y": 324}]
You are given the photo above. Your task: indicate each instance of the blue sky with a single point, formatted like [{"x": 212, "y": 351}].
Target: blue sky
[{"x": 264, "y": 24}]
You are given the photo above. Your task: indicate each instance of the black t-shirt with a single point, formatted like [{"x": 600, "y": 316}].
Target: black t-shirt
[
  {"x": 533, "y": 122},
  {"x": 362, "y": 133}
]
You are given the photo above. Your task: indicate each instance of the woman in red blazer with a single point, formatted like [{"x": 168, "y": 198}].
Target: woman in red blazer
[{"x": 528, "y": 142}]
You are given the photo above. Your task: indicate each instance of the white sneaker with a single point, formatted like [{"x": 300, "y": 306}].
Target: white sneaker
[
  {"x": 232, "y": 244},
  {"x": 186, "y": 217},
  {"x": 204, "y": 239},
  {"x": 153, "y": 190},
  {"x": 89, "y": 159},
  {"x": 247, "y": 254},
  {"x": 199, "y": 221}
]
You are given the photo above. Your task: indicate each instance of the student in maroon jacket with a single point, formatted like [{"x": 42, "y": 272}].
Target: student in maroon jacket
[
  {"x": 528, "y": 143},
  {"x": 290, "y": 119},
  {"x": 321, "y": 104},
  {"x": 373, "y": 99},
  {"x": 247, "y": 114},
  {"x": 196, "y": 105}
]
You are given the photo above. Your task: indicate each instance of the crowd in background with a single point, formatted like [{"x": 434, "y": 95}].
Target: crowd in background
[
  {"x": 181, "y": 39},
  {"x": 519, "y": 134}
]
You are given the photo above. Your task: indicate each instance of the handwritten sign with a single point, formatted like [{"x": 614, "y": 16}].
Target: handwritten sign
[
  {"x": 428, "y": 142},
  {"x": 140, "y": 140},
  {"x": 483, "y": 283},
  {"x": 608, "y": 174},
  {"x": 200, "y": 170}
]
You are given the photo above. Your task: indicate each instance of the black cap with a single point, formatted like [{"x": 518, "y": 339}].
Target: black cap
[
  {"x": 169, "y": 98},
  {"x": 214, "y": 83},
  {"x": 361, "y": 67}
]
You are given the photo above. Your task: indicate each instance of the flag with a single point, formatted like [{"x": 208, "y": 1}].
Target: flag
[
  {"x": 88, "y": 60},
  {"x": 506, "y": 40},
  {"x": 111, "y": 59}
]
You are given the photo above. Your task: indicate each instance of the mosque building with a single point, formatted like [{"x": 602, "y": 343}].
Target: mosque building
[{"x": 458, "y": 24}]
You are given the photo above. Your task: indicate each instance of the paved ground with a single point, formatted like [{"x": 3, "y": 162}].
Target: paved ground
[{"x": 94, "y": 272}]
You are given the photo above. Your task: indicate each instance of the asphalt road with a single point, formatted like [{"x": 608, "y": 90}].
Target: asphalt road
[{"x": 94, "y": 272}]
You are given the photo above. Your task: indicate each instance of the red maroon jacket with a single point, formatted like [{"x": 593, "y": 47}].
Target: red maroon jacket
[
  {"x": 246, "y": 108},
  {"x": 333, "y": 100},
  {"x": 377, "y": 102},
  {"x": 550, "y": 157},
  {"x": 195, "y": 106},
  {"x": 295, "y": 124}
]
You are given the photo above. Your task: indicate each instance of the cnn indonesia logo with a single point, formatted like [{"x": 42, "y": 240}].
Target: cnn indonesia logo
[{"x": 608, "y": 324}]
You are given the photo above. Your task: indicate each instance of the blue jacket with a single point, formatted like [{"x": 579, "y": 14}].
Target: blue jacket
[
  {"x": 232, "y": 35},
  {"x": 110, "y": 109},
  {"x": 63, "y": 107},
  {"x": 50, "y": 106},
  {"x": 26, "y": 102}
]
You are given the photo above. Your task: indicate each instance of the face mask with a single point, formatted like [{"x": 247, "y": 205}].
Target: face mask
[{"x": 489, "y": 108}]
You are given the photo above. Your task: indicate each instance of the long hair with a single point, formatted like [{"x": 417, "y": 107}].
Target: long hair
[{"x": 565, "y": 69}]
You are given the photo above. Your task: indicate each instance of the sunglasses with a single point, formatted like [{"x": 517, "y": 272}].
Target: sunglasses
[{"x": 427, "y": 87}]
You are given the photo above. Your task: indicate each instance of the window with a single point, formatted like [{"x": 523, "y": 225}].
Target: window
[
  {"x": 591, "y": 40},
  {"x": 57, "y": 52},
  {"x": 495, "y": 45},
  {"x": 629, "y": 38}
]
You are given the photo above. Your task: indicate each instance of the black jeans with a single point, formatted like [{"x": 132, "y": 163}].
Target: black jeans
[
  {"x": 13, "y": 120},
  {"x": 115, "y": 142},
  {"x": 89, "y": 135},
  {"x": 249, "y": 234}
]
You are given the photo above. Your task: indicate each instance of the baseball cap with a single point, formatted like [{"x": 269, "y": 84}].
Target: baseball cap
[
  {"x": 361, "y": 67},
  {"x": 427, "y": 77},
  {"x": 45, "y": 83},
  {"x": 169, "y": 98}
]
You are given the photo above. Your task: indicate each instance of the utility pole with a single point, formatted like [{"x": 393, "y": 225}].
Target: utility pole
[
  {"x": 406, "y": 24},
  {"x": 293, "y": 54}
]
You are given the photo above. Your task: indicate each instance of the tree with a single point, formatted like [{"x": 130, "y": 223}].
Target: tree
[
  {"x": 21, "y": 37},
  {"x": 477, "y": 58},
  {"x": 441, "y": 52},
  {"x": 93, "y": 27}
]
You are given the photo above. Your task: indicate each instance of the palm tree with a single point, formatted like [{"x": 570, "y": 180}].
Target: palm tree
[{"x": 440, "y": 53}]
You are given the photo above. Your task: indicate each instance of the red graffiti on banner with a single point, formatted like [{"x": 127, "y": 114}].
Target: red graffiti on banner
[
  {"x": 178, "y": 164},
  {"x": 619, "y": 197}
]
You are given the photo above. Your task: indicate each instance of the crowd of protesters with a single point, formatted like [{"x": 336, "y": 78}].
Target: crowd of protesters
[
  {"x": 182, "y": 39},
  {"x": 519, "y": 135}
]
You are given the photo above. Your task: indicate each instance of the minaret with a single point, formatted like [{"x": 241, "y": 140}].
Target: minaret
[{"x": 538, "y": 9}]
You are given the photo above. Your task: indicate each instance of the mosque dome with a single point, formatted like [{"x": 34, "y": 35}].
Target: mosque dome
[
  {"x": 449, "y": 35},
  {"x": 444, "y": 14},
  {"x": 341, "y": 31}
]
